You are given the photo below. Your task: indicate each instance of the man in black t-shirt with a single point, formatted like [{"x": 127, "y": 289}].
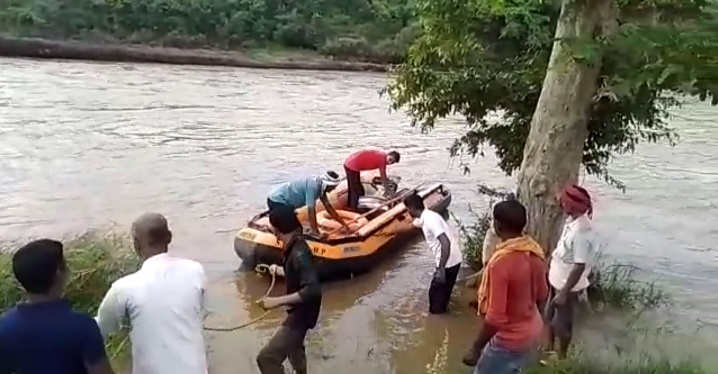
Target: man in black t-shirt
[{"x": 303, "y": 298}]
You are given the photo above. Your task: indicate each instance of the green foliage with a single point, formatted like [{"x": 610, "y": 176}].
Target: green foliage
[
  {"x": 486, "y": 61},
  {"x": 380, "y": 26},
  {"x": 473, "y": 233},
  {"x": 94, "y": 261}
]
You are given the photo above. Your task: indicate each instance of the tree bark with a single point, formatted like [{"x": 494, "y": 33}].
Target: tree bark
[{"x": 559, "y": 127}]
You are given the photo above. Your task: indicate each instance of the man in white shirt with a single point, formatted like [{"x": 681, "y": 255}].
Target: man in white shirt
[
  {"x": 445, "y": 247},
  {"x": 164, "y": 302},
  {"x": 570, "y": 266}
]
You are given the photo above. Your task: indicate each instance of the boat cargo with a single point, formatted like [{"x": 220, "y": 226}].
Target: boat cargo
[{"x": 381, "y": 226}]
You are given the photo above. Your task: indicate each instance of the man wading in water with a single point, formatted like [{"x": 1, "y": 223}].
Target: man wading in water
[
  {"x": 304, "y": 297},
  {"x": 570, "y": 267},
  {"x": 513, "y": 291},
  {"x": 444, "y": 247}
]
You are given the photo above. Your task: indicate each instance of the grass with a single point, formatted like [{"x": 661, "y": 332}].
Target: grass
[{"x": 94, "y": 262}]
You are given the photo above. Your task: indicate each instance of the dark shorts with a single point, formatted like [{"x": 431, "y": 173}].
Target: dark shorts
[
  {"x": 355, "y": 189},
  {"x": 561, "y": 317},
  {"x": 286, "y": 343},
  {"x": 440, "y": 293}
]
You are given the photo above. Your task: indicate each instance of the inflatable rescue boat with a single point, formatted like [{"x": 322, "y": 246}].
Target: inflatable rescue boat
[{"x": 381, "y": 225}]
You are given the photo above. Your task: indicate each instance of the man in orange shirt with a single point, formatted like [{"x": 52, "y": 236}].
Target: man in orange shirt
[
  {"x": 513, "y": 290},
  {"x": 365, "y": 160}
]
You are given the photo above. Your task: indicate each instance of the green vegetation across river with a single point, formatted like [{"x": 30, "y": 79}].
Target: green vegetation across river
[{"x": 372, "y": 31}]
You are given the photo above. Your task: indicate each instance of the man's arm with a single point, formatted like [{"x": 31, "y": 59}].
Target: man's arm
[
  {"x": 445, "y": 250},
  {"x": 496, "y": 308},
  {"x": 313, "y": 192},
  {"x": 309, "y": 287},
  {"x": 333, "y": 213},
  {"x": 111, "y": 312},
  {"x": 93, "y": 350},
  {"x": 540, "y": 283}
]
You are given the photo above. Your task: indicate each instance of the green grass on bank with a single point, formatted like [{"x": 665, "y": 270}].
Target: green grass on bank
[{"x": 94, "y": 262}]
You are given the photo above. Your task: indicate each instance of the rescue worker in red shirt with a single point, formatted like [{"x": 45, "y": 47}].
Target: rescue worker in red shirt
[{"x": 365, "y": 160}]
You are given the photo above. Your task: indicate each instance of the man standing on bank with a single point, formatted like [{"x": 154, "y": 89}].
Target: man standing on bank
[
  {"x": 570, "y": 266},
  {"x": 164, "y": 301},
  {"x": 513, "y": 291},
  {"x": 445, "y": 247},
  {"x": 44, "y": 335},
  {"x": 303, "y": 298},
  {"x": 365, "y": 160}
]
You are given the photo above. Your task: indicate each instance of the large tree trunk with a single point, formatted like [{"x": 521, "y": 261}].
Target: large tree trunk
[{"x": 554, "y": 148}]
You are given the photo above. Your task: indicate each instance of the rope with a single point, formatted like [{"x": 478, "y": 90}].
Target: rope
[{"x": 261, "y": 268}]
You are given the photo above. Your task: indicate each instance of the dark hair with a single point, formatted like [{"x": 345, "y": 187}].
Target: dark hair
[
  {"x": 414, "y": 201},
  {"x": 284, "y": 219},
  {"x": 510, "y": 215},
  {"x": 36, "y": 265},
  {"x": 395, "y": 155}
]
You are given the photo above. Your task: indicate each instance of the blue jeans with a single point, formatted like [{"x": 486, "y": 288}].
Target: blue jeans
[{"x": 498, "y": 360}]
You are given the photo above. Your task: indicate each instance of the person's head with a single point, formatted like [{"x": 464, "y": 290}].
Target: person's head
[
  {"x": 285, "y": 223},
  {"x": 414, "y": 205},
  {"x": 330, "y": 180},
  {"x": 509, "y": 219},
  {"x": 39, "y": 267},
  {"x": 392, "y": 157},
  {"x": 151, "y": 235},
  {"x": 575, "y": 201}
]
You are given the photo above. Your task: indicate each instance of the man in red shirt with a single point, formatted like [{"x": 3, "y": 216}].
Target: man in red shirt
[
  {"x": 365, "y": 160},
  {"x": 513, "y": 290}
]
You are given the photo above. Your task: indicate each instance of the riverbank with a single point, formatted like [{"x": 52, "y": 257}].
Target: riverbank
[
  {"x": 80, "y": 50},
  {"x": 95, "y": 261}
]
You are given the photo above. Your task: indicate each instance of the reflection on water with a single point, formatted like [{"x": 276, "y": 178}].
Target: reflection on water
[{"x": 86, "y": 144}]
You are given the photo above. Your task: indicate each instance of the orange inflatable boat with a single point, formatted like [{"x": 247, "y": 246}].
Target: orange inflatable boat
[{"x": 380, "y": 226}]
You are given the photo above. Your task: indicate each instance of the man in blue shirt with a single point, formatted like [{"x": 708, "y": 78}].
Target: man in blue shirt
[
  {"x": 298, "y": 193},
  {"x": 44, "y": 335}
]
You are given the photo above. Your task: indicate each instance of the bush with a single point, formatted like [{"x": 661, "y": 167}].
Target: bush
[
  {"x": 94, "y": 262},
  {"x": 473, "y": 234}
]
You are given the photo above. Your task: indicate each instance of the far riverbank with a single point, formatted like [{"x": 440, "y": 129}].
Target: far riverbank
[{"x": 79, "y": 50}]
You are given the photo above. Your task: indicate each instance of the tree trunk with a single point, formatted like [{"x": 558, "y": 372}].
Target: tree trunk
[{"x": 559, "y": 128}]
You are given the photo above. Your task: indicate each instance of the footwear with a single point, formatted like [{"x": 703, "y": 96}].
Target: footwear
[{"x": 550, "y": 358}]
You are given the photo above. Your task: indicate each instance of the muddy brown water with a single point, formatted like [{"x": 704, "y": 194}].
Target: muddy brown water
[{"x": 92, "y": 145}]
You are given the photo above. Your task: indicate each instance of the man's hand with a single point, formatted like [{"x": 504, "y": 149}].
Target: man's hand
[
  {"x": 560, "y": 298},
  {"x": 471, "y": 357},
  {"x": 269, "y": 303},
  {"x": 314, "y": 233},
  {"x": 440, "y": 275},
  {"x": 273, "y": 269}
]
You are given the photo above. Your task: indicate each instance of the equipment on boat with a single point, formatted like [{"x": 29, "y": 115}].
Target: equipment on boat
[{"x": 381, "y": 226}]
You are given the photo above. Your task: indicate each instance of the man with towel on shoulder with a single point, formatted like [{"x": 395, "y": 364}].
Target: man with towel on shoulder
[
  {"x": 301, "y": 192},
  {"x": 512, "y": 293}
]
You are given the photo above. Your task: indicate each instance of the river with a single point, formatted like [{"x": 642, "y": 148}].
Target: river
[{"x": 93, "y": 145}]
